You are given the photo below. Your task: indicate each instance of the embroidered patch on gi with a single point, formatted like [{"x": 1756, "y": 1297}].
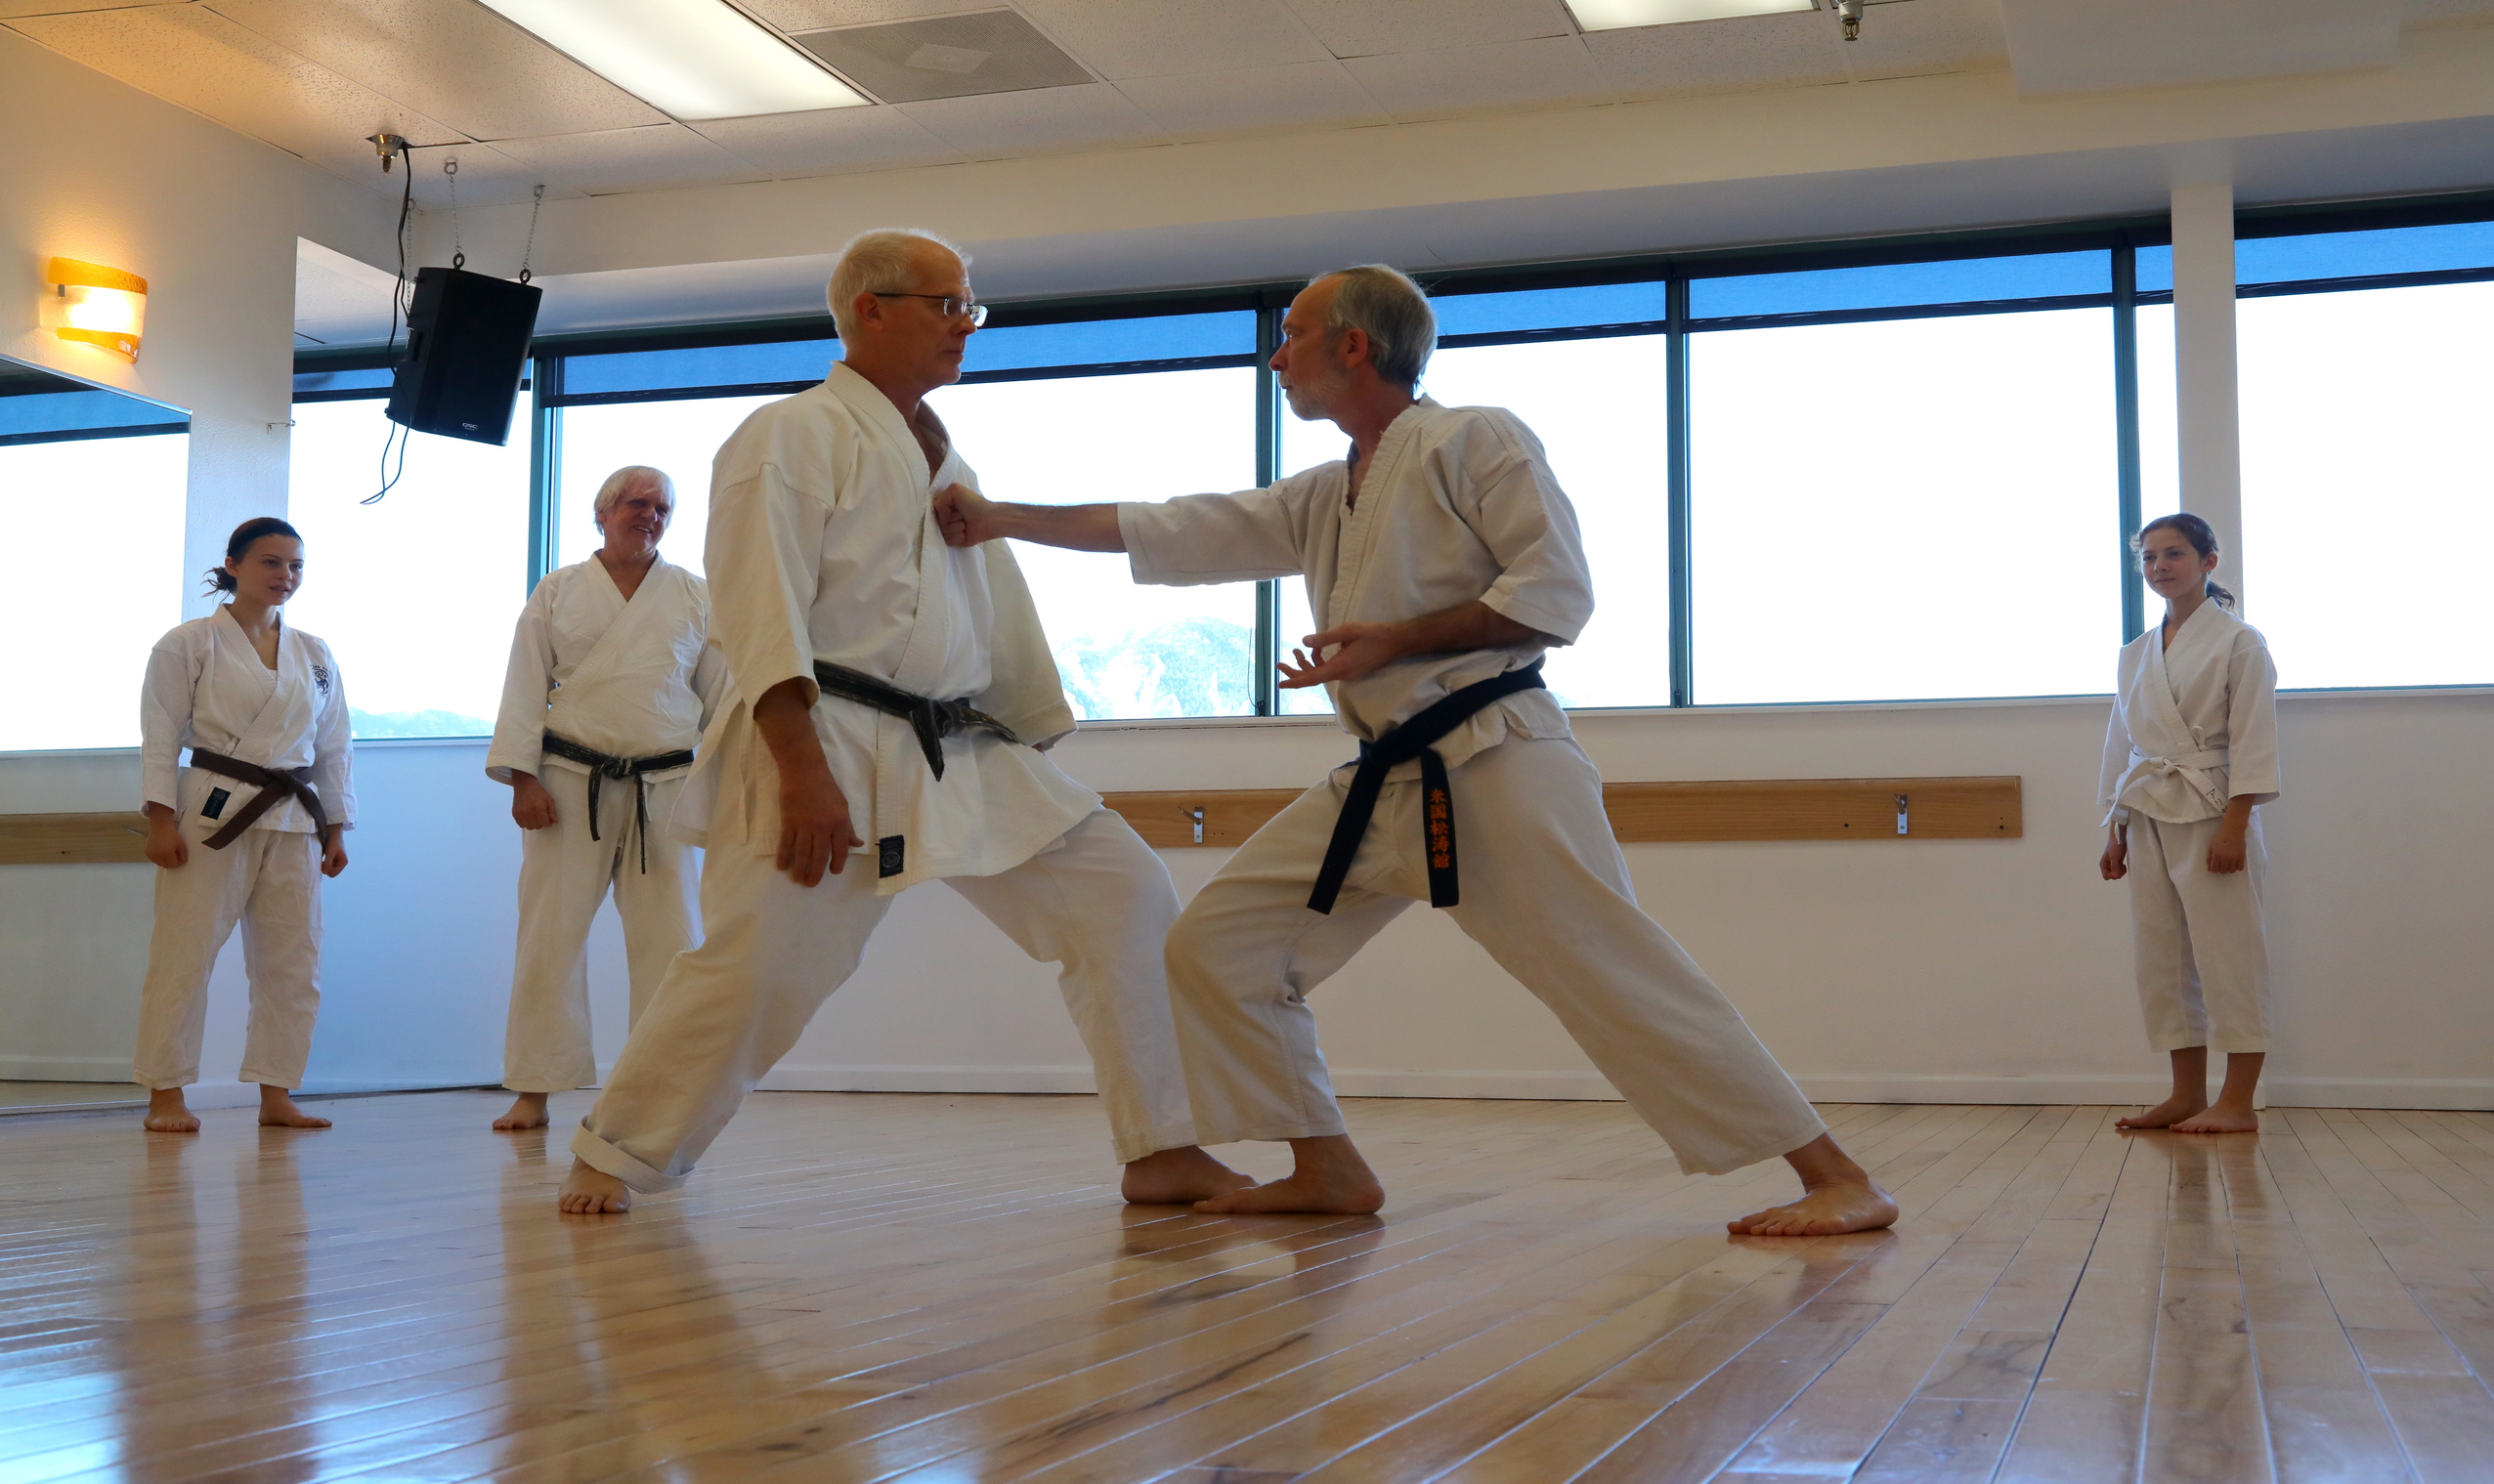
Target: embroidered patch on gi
[
  {"x": 888, "y": 851},
  {"x": 321, "y": 677},
  {"x": 214, "y": 808}
]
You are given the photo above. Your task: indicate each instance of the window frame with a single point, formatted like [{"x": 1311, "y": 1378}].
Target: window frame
[{"x": 2122, "y": 237}]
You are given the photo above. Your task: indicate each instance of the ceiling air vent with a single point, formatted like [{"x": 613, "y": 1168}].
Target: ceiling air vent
[{"x": 945, "y": 57}]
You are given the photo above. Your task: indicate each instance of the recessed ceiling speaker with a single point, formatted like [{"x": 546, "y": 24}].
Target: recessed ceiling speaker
[
  {"x": 467, "y": 346},
  {"x": 945, "y": 57}
]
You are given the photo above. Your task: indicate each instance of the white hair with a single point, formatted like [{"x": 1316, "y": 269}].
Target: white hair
[
  {"x": 623, "y": 480},
  {"x": 878, "y": 262},
  {"x": 1394, "y": 313}
]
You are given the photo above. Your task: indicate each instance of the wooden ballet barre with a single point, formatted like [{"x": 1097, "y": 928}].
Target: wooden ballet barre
[
  {"x": 1731, "y": 809},
  {"x": 114, "y": 838}
]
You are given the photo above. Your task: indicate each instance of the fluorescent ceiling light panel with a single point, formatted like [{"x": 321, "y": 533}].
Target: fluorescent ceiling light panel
[
  {"x": 1618, "y": 14},
  {"x": 693, "y": 59}
]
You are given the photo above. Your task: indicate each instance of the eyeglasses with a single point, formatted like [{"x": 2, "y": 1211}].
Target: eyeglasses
[{"x": 948, "y": 306}]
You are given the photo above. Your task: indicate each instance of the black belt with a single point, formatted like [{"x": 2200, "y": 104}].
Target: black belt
[
  {"x": 933, "y": 720},
  {"x": 274, "y": 784},
  {"x": 604, "y": 765},
  {"x": 1416, "y": 737}
]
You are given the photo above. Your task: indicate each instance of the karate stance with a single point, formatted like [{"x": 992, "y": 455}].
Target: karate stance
[
  {"x": 888, "y": 689},
  {"x": 1442, "y": 559},
  {"x": 244, "y": 833},
  {"x": 610, "y": 682},
  {"x": 2191, "y": 752}
]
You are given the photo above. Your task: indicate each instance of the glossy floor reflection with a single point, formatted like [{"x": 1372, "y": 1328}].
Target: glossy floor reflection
[{"x": 870, "y": 1287}]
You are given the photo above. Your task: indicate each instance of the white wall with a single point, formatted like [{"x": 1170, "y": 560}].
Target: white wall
[
  {"x": 1936, "y": 970},
  {"x": 99, "y": 171}
]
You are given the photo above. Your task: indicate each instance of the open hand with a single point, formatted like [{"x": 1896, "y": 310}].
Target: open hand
[
  {"x": 815, "y": 832},
  {"x": 1356, "y": 649},
  {"x": 532, "y": 807},
  {"x": 332, "y": 850},
  {"x": 967, "y": 517}
]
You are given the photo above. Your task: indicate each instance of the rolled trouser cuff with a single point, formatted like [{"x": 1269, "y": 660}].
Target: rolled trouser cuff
[{"x": 606, "y": 1158}]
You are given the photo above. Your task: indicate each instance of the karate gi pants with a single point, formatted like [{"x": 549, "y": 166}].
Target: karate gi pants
[
  {"x": 270, "y": 882},
  {"x": 1543, "y": 888},
  {"x": 563, "y": 878},
  {"x": 1097, "y": 901},
  {"x": 2203, "y": 952}
]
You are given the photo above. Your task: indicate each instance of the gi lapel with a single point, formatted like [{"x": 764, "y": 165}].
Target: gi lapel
[
  {"x": 2162, "y": 740},
  {"x": 287, "y": 715},
  {"x": 617, "y": 640}
]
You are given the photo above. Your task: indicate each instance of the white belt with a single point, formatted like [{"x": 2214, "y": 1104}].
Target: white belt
[{"x": 2193, "y": 768}]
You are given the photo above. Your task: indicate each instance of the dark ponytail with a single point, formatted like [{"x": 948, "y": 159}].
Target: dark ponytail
[
  {"x": 240, "y": 541},
  {"x": 2203, "y": 539}
]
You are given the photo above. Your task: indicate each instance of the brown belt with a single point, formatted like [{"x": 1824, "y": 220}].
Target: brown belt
[{"x": 273, "y": 784}]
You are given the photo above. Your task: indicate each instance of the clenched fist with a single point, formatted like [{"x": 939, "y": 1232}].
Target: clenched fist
[{"x": 967, "y": 517}]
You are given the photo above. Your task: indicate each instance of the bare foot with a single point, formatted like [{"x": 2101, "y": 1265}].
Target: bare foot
[
  {"x": 2220, "y": 1118},
  {"x": 168, "y": 1113},
  {"x": 1179, "y": 1177},
  {"x": 1329, "y": 1178},
  {"x": 528, "y": 1112},
  {"x": 278, "y": 1111},
  {"x": 1847, "y": 1206},
  {"x": 2164, "y": 1115},
  {"x": 588, "y": 1192}
]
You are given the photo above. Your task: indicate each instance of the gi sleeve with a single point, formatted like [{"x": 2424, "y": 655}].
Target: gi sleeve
[
  {"x": 2250, "y": 719},
  {"x": 1504, "y": 491},
  {"x": 519, "y": 728},
  {"x": 764, "y": 556},
  {"x": 710, "y": 680},
  {"x": 333, "y": 749},
  {"x": 1197, "y": 539},
  {"x": 1025, "y": 693},
  {"x": 2117, "y": 761},
  {"x": 165, "y": 699}
]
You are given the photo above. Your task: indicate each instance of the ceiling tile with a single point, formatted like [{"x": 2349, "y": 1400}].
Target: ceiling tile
[
  {"x": 191, "y": 55},
  {"x": 2442, "y": 12},
  {"x": 1152, "y": 38},
  {"x": 1299, "y": 95},
  {"x": 1785, "y": 49},
  {"x": 659, "y": 157},
  {"x": 815, "y": 15},
  {"x": 1375, "y": 27},
  {"x": 454, "y": 60},
  {"x": 832, "y": 142},
  {"x": 487, "y": 177},
  {"x": 1506, "y": 74},
  {"x": 1046, "y": 120},
  {"x": 1917, "y": 37}
]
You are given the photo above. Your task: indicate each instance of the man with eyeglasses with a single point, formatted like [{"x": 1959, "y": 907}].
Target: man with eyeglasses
[
  {"x": 888, "y": 689},
  {"x": 1442, "y": 559}
]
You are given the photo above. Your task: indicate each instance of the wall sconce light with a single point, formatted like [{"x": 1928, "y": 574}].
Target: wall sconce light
[{"x": 95, "y": 305}]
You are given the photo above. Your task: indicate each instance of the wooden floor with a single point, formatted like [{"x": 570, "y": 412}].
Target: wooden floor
[{"x": 945, "y": 1289}]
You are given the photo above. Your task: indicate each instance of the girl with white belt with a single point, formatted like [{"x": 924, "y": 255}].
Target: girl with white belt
[
  {"x": 2191, "y": 752},
  {"x": 246, "y": 830}
]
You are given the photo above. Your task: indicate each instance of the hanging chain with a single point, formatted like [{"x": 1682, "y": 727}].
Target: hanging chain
[
  {"x": 538, "y": 204},
  {"x": 459, "y": 253}
]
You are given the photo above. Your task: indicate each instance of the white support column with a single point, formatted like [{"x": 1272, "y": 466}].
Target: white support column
[{"x": 2206, "y": 416}]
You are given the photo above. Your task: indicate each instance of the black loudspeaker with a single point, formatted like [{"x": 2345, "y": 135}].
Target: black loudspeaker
[{"x": 467, "y": 346}]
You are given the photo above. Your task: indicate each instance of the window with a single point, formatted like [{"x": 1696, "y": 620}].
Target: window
[
  {"x": 416, "y": 592},
  {"x": 63, "y": 445},
  {"x": 678, "y": 436},
  {"x": 2363, "y": 411},
  {"x": 1902, "y": 505}
]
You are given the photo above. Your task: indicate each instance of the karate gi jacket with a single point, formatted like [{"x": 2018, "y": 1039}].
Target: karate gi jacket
[
  {"x": 206, "y": 687},
  {"x": 1459, "y": 506},
  {"x": 2194, "y": 723},
  {"x": 824, "y": 545},
  {"x": 628, "y": 679}
]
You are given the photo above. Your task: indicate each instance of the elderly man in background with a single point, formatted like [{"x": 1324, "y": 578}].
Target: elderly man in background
[
  {"x": 612, "y": 679},
  {"x": 1441, "y": 560},
  {"x": 898, "y": 692}
]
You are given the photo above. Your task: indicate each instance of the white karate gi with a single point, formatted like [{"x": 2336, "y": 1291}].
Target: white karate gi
[
  {"x": 629, "y": 680},
  {"x": 2195, "y": 724},
  {"x": 206, "y": 687},
  {"x": 824, "y": 545},
  {"x": 1459, "y": 506}
]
